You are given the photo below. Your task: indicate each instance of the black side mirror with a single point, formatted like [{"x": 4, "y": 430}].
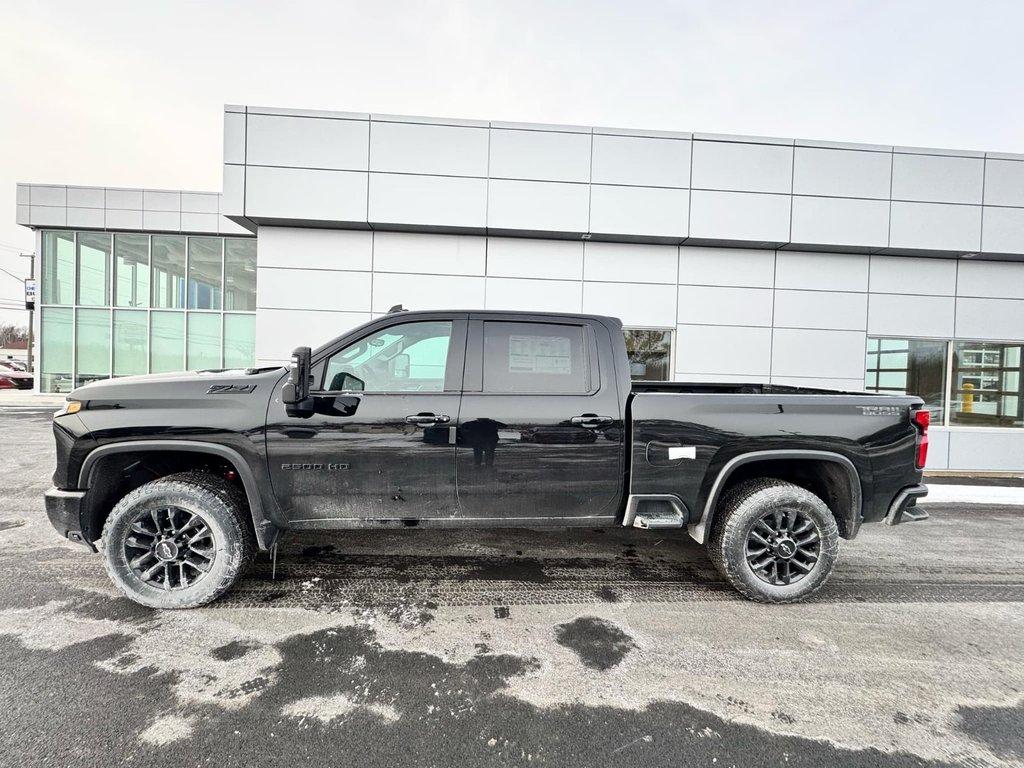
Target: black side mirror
[{"x": 295, "y": 392}]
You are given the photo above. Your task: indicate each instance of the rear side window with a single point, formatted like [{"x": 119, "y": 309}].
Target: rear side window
[{"x": 535, "y": 358}]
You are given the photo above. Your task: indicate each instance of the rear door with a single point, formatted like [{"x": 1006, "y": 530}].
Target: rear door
[{"x": 540, "y": 426}]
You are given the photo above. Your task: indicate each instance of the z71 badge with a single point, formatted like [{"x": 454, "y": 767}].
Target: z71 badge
[{"x": 231, "y": 389}]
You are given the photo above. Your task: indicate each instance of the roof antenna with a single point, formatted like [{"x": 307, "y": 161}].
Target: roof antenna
[{"x": 397, "y": 308}]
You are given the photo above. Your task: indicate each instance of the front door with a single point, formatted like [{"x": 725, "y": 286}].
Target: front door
[
  {"x": 381, "y": 443},
  {"x": 540, "y": 427}
]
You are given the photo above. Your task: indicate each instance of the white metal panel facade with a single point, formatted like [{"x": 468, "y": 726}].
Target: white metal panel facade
[{"x": 769, "y": 259}]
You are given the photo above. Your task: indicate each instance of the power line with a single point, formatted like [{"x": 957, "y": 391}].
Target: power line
[
  {"x": 19, "y": 279},
  {"x": 9, "y": 247}
]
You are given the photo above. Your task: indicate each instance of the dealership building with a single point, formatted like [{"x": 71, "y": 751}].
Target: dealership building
[{"x": 728, "y": 258}]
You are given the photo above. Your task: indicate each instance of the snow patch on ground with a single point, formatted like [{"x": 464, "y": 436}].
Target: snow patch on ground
[
  {"x": 166, "y": 730},
  {"x": 973, "y": 494},
  {"x": 328, "y": 708},
  {"x": 51, "y": 627},
  {"x": 201, "y": 674},
  {"x": 186, "y": 644}
]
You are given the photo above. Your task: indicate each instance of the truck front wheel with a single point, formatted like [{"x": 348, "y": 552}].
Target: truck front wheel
[
  {"x": 774, "y": 541},
  {"x": 178, "y": 542}
]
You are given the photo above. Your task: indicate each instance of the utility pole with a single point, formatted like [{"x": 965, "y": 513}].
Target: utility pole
[{"x": 30, "y": 305}]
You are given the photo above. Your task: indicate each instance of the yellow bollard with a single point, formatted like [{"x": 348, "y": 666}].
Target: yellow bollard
[{"x": 967, "y": 404}]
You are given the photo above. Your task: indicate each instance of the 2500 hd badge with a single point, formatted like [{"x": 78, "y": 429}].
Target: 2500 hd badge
[{"x": 329, "y": 467}]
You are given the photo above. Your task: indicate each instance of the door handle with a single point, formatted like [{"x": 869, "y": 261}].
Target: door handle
[
  {"x": 592, "y": 421},
  {"x": 424, "y": 419}
]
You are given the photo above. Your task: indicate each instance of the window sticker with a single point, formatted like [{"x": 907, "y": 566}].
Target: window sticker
[{"x": 540, "y": 354}]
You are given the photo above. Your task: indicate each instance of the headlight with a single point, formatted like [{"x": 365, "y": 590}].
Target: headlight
[{"x": 70, "y": 406}]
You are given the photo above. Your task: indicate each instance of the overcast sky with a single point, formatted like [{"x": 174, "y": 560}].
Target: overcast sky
[{"x": 131, "y": 93}]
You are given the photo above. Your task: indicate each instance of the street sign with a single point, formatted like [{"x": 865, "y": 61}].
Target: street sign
[{"x": 30, "y": 293}]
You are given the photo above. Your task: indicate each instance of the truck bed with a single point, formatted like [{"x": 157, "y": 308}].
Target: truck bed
[
  {"x": 751, "y": 388},
  {"x": 683, "y": 435}
]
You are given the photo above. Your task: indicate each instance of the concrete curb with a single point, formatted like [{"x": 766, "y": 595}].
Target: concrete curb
[{"x": 25, "y": 399}]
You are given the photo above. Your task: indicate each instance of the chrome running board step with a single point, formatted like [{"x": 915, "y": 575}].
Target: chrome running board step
[
  {"x": 649, "y": 520},
  {"x": 669, "y": 512}
]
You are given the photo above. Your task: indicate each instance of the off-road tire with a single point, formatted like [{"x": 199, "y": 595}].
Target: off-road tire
[
  {"x": 220, "y": 504},
  {"x": 739, "y": 511}
]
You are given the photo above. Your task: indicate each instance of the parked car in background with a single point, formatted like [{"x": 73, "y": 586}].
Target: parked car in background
[{"x": 12, "y": 378}]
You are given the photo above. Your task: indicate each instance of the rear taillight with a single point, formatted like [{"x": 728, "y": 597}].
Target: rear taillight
[{"x": 922, "y": 419}]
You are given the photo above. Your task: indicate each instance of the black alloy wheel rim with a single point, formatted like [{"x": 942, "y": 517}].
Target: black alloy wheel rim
[
  {"x": 783, "y": 546},
  {"x": 170, "y": 548}
]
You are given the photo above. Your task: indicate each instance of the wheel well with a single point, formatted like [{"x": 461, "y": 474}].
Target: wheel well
[
  {"x": 117, "y": 474},
  {"x": 828, "y": 480}
]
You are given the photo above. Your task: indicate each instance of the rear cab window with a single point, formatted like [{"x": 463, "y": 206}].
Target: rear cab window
[{"x": 536, "y": 358}]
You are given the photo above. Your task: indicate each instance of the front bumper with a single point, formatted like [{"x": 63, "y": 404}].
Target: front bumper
[
  {"x": 903, "y": 508},
  {"x": 64, "y": 508}
]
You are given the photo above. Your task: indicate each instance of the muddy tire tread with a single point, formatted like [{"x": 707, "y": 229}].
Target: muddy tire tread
[
  {"x": 193, "y": 488},
  {"x": 728, "y": 537}
]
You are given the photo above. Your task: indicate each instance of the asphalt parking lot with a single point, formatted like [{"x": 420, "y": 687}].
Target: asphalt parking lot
[{"x": 580, "y": 648}]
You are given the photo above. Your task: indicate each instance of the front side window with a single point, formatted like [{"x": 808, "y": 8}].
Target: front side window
[
  {"x": 535, "y": 358},
  {"x": 987, "y": 384},
  {"x": 909, "y": 367},
  {"x": 411, "y": 357},
  {"x": 649, "y": 353}
]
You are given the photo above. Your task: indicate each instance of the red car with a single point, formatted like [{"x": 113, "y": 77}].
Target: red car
[{"x": 12, "y": 378}]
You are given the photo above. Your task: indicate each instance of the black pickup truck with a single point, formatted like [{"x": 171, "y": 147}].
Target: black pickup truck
[{"x": 471, "y": 419}]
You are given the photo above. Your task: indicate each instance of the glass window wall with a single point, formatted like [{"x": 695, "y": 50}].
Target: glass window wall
[
  {"x": 57, "y": 364},
  {"x": 205, "y": 264},
  {"x": 987, "y": 379},
  {"x": 58, "y": 268},
  {"x": 92, "y": 345},
  {"x": 130, "y": 342},
  {"x": 131, "y": 270},
  {"x": 166, "y": 342},
  {"x": 93, "y": 269},
  {"x": 168, "y": 278},
  {"x": 909, "y": 367},
  {"x": 963, "y": 383},
  {"x": 239, "y": 340},
  {"x": 134, "y": 303},
  {"x": 204, "y": 342},
  {"x": 240, "y": 274},
  {"x": 650, "y": 354}
]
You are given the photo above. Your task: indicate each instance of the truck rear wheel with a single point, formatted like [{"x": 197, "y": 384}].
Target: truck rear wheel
[
  {"x": 774, "y": 541},
  {"x": 178, "y": 542}
]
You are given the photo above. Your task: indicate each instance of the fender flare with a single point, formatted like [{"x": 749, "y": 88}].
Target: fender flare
[
  {"x": 266, "y": 531},
  {"x": 699, "y": 531}
]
